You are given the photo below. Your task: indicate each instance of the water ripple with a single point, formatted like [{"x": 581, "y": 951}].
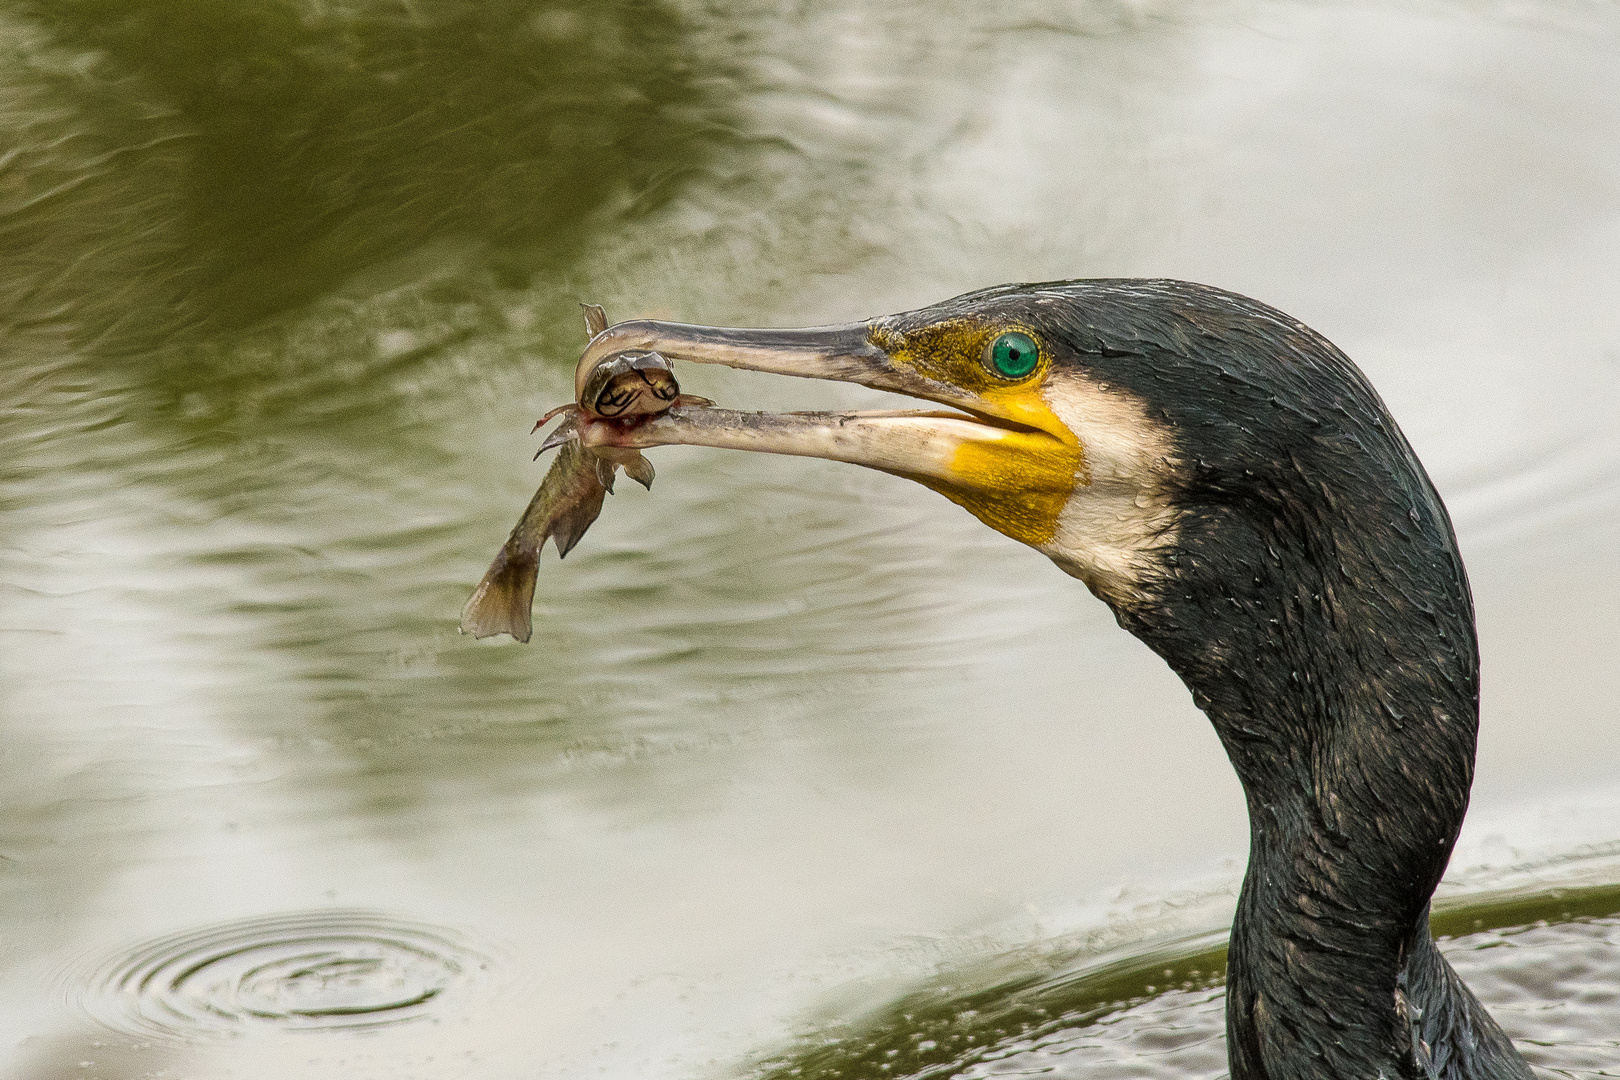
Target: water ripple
[
  {"x": 1544, "y": 962},
  {"x": 320, "y": 970}
]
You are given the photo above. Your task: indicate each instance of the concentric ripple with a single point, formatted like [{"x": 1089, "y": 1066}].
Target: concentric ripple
[{"x": 320, "y": 970}]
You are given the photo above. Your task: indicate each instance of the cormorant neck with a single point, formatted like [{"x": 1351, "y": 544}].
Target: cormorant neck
[
  {"x": 1347, "y": 842},
  {"x": 1333, "y": 649}
]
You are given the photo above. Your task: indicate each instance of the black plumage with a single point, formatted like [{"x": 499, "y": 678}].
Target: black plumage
[{"x": 1313, "y": 600}]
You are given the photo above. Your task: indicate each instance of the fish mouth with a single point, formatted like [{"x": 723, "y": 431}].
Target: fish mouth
[{"x": 973, "y": 445}]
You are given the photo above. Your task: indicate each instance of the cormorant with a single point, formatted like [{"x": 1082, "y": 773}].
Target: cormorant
[{"x": 1229, "y": 483}]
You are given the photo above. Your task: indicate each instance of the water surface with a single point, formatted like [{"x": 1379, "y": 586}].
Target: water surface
[{"x": 285, "y": 286}]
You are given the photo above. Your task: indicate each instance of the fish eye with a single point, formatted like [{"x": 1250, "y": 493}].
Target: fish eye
[{"x": 1012, "y": 355}]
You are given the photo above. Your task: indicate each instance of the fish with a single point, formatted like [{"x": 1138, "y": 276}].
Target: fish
[
  {"x": 567, "y": 502},
  {"x": 631, "y": 384},
  {"x": 621, "y": 388}
]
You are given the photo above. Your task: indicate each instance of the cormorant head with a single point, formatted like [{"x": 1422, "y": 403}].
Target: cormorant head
[
  {"x": 1110, "y": 424},
  {"x": 1045, "y": 438}
]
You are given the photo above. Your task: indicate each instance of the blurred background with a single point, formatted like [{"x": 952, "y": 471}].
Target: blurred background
[{"x": 283, "y": 287}]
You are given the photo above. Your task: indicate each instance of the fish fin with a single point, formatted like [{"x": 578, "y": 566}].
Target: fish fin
[
  {"x": 502, "y": 602},
  {"x": 568, "y": 528},
  {"x": 546, "y": 419},
  {"x": 640, "y": 470},
  {"x": 692, "y": 399},
  {"x": 595, "y": 318},
  {"x": 604, "y": 473},
  {"x": 566, "y": 433}
]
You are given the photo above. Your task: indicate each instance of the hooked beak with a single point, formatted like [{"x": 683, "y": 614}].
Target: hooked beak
[
  {"x": 1011, "y": 464},
  {"x": 844, "y": 353}
]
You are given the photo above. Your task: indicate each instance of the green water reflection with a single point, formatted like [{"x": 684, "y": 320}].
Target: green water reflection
[{"x": 300, "y": 142}]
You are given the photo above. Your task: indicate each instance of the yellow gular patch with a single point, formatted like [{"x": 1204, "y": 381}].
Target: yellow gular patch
[{"x": 1016, "y": 482}]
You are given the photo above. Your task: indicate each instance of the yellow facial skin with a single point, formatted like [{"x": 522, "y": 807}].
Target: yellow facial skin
[
  {"x": 1014, "y": 464},
  {"x": 1015, "y": 481}
]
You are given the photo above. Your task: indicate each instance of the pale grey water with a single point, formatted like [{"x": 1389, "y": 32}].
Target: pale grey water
[{"x": 283, "y": 290}]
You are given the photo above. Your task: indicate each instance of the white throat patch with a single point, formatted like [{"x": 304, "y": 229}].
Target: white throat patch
[{"x": 1121, "y": 510}]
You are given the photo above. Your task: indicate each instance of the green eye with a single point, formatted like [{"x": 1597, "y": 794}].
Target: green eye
[{"x": 1014, "y": 355}]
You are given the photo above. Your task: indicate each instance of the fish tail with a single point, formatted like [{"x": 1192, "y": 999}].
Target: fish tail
[{"x": 501, "y": 603}]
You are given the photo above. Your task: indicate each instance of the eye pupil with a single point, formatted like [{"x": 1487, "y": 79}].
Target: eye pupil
[{"x": 1013, "y": 355}]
